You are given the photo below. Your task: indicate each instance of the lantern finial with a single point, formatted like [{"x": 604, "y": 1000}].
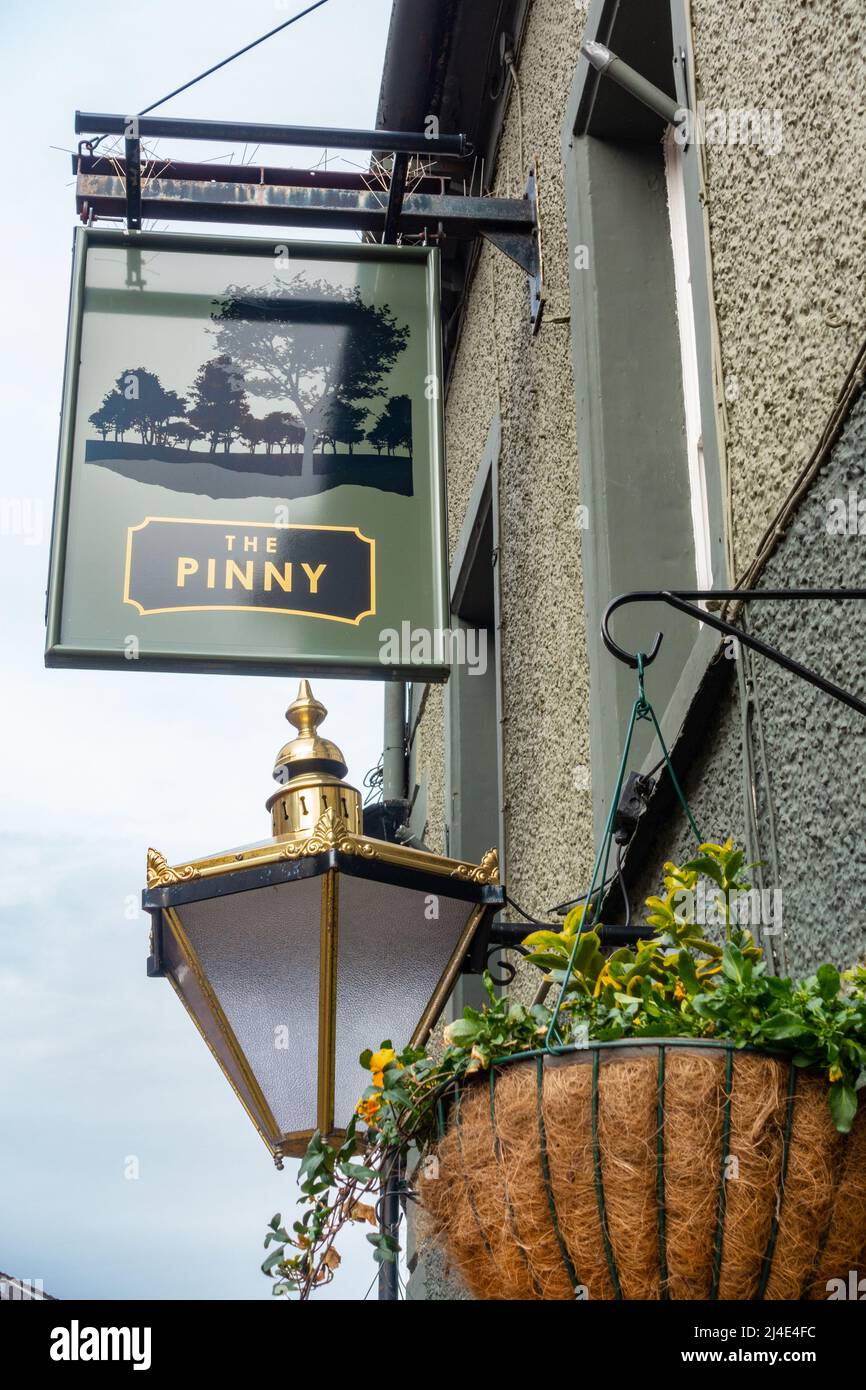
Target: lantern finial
[
  {"x": 305, "y": 711},
  {"x": 311, "y": 769}
]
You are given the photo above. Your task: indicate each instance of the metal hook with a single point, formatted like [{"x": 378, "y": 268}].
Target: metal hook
[{"x": 686, "y": 600}]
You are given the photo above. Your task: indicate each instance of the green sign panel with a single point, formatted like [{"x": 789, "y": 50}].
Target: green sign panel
[{"x": 251, "y": 473}]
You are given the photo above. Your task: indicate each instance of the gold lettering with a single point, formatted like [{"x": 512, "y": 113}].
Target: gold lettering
[
  {"x": 271, "y": 572},
  {"x": 251, "y": 542},
  {"x": 271, "y": 545},
  {"x": 245, "y": 576},
  {"x": 211, "y": 574},
  {"x": 314, "y": 575},
  {"x": 230, "y": 540},
  {"x": 185, "y": 565}
]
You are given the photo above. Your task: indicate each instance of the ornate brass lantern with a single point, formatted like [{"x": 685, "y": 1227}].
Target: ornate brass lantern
[{"x": 294, "y": 954}]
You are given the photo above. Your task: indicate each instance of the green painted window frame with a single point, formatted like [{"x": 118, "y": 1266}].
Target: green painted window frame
[{"x": 633, "y": 470}]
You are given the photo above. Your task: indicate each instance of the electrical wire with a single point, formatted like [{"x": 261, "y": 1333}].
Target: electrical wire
[
  {"x": 533, "y": 921},
  {"x": 216, "y": 67},
  {"x": 622, "y": 883},
  {"x": 373, "y": 781},
  {"x": 509, "y": 59},
  {"x": 573, "y": 902}
]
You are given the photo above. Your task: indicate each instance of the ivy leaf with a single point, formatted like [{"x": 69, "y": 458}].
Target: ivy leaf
[
  {"x": 275, "y": 1257},
  {"x": 358, "y": 1172},
  {"x": 385, "y": 1247},
  {"x": 462, "y": 1030}
]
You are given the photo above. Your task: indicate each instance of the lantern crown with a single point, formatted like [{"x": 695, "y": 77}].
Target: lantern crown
[
  {"x": 307, "y": 752},
  {"x": 310, "y": 771}
]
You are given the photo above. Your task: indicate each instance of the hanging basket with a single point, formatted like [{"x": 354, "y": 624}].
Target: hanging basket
[{"x": 646, "y": 1170}]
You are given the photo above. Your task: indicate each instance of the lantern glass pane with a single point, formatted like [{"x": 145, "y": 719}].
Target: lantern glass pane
[
  {"x": 260, "y": 953},
  {"x": 188, "y": 987},
  {"x": 390, "y": 957}
]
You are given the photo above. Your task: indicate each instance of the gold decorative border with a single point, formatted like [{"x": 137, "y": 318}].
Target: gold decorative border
[
  {"x": 330, "y": 832},
  {"x": 248, "y": 607},
  {"x": 159, "y": 872},
  {"x": 327, "y": 1052},
  {"x": 485, "y": 872}
]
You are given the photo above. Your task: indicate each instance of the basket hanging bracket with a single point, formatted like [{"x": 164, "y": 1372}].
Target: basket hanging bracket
[{"x": 687, "y": 601}]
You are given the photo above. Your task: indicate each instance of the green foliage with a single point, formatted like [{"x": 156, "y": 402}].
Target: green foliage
[{"x": 676, "y": 984}]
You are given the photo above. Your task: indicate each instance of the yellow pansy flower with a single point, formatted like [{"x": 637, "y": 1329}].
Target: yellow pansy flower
[
  {"x": 368, "y": 1109},
  {"x": 379, "y": 1061}
]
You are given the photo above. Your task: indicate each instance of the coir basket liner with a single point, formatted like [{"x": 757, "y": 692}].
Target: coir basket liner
[{"x": 645, "y": 1171}]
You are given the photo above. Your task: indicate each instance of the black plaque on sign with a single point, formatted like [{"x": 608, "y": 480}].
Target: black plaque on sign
[{"x": 179, "y": 565}]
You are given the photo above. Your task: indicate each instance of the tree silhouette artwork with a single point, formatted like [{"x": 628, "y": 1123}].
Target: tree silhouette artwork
[
  {"x": 393, "y": 429},
  {"x": 343, "y": 424},
  {"x": 294, "y": 394},
  {"x": 311, "y": 343},
  {"x": 220, "y": 409},
  {"x": 138, "y": 400}
]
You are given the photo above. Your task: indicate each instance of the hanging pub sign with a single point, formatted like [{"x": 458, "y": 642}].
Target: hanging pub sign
[{"x": 250, "y": 474}]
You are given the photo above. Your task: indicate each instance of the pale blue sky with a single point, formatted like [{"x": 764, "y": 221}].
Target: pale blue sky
[{"x": 100, "y": 1063}]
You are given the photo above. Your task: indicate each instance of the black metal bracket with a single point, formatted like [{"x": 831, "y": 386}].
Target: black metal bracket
[
  {"x": 286, "y": 197},
  {"x": 396, "y": 194},
  {"x": 525, "y": 250},
  {"x": 686, "y": 601},
  {"x": 132, "y": 170}
]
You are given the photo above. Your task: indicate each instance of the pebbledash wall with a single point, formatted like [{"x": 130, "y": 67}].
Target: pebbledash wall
[
  {"x": 502, "y": 375},
  {"x": 777, "y": 254}
]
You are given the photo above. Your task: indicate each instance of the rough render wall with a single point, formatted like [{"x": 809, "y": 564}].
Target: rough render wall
[
  {"x": 788, "y": 242},
  {"x": 814, "y": 746},
  {"x": 787, "y": 231},
  {"x": 788, "y": 238},
  {"x": 500, "y": 367}
]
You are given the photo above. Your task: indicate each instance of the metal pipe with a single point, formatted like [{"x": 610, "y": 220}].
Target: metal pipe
[
  {"x": 609, "y": 65},
  {"x": 394, "y": 746},
  {"x": 389, "y": 1224},
  {"x": 251, "y": 133}
]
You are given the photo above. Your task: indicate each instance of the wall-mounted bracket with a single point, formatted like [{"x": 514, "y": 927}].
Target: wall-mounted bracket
[
  {"x": 264, "y": 196},
  {"x": 687, "y": 600},
  {"x": 132, "y": 170},
  {"x": 526, "y": 250}
]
